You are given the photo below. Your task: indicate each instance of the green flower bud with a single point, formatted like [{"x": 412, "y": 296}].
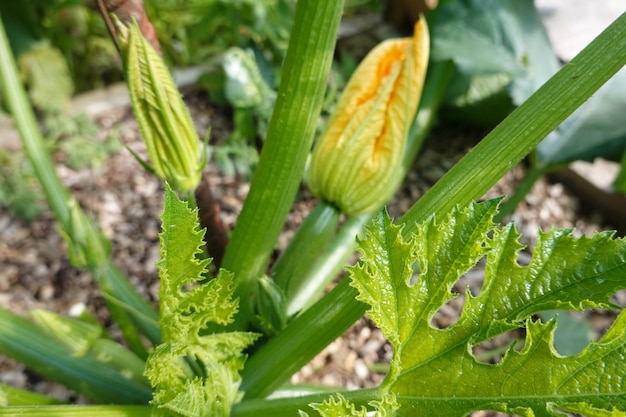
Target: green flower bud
[
  {"x": 356, "y": 164},
  {"x": 270, "y": 306},
  {"x": 163, "y": 118}
]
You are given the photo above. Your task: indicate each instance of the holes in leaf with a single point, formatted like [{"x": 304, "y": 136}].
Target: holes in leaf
[
  {"x": 492, "y": 351},
  {"x": 416, "y": 273},
  {"x": 573, "y": 332},
  {"x": 449, "y": 313}
]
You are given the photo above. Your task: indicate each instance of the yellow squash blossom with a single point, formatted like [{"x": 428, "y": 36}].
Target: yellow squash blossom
[
  {"x": 356, "y": 164},
  {"x": 163, "y": 118}
]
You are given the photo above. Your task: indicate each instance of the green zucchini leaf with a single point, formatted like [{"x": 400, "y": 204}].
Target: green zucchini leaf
[
  {"x": 195, "y": 371},
  {"x": 433, "y": 371}
]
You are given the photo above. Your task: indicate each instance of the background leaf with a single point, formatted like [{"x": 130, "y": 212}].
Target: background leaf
[{"x": 501, "y": 51}]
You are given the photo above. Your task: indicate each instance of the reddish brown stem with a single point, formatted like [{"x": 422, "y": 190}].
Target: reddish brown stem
[
  {"x": 216, "y": 237},
  {"x": 126, "y": 11}
]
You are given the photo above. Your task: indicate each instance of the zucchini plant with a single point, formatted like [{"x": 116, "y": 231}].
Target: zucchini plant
[{"x": 225, "y": 345}]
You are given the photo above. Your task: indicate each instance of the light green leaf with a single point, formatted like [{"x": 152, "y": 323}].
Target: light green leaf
[
  {"x": 433, "y": 371},
  {"x": 339, "y": 406},
  {"x": 195, "y": 372}
]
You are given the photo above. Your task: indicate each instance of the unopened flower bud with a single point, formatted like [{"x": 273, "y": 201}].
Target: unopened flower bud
[
  {"x": 356, "y": 164},
  {"x": 165, "y": 123}
]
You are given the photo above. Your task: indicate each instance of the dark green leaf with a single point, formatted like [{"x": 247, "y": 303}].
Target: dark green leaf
[{"x": 500, "y": 48}]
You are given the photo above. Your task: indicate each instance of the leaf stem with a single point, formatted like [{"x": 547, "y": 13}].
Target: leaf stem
[{"x": 291, "y": 269}]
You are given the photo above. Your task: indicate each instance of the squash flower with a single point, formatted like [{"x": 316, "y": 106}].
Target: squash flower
[
  {"x": 166, "y": 126},
  {"x": 356, "y": 163}
]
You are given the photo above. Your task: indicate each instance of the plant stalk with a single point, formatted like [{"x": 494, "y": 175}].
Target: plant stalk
[
  {"x": 289, "y": 138},
  {"x": 317, "y": 229}
]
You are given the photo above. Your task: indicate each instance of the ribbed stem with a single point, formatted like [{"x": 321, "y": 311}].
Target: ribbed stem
[
  {"x": 317, "y": 229},
  {"x": 273, "y": 364},
  {"x": 289, "y": 138}
]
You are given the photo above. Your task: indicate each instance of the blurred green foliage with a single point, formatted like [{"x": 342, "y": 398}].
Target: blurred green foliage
[{"x": 18, "y": 186}]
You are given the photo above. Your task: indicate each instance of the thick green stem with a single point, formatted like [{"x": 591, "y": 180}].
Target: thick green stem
[
  {"x": 327, "y": 266},
  {"x": 290, "y": 135},
  {"x": 273, "y": 364},
  {"x": 317, "y": 229}
]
